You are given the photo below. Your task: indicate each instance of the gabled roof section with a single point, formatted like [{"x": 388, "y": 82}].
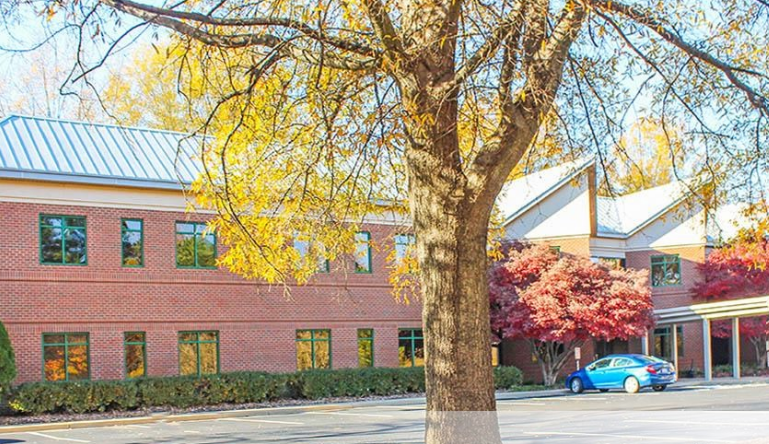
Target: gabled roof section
[
  {"x": 66, "y": 151},
  {"x": 519, "y": 195},
  {"x": 623, "y": 216}
]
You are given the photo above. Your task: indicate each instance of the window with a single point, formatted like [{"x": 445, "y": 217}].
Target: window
[
  {"x": 198, "y": 352},
  {"x": 195, "y": 247},
  {"x": 313, "y": 349},
  {"x": 65, "y": 357},
  {"x": 132, "y": 239},
  {"x": 602, "y": 364},
  {"x": 363, "y": 252},
  {"x": 365, "y": 347},
  {"x": 404, "y": 243},
  {"x": 305, "y": 247},
  {"x": 663, "y": 342},
  {"x": 135, "y": 345},
  {"x": 666, "y": 270},
  {"x": 612, "y": 263},
  {"x": 411, "y": 347},
  {"x": 495, "y": 355},
  {"x": 62, "y": 240},
  {"x": 622, "y": 362},
  {"x": 556, "y": 249}
]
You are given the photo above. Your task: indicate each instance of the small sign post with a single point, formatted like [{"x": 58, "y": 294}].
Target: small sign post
[{"x": 577, "y": 355}]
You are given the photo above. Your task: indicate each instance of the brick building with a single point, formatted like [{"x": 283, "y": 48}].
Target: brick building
[
  {"x": 103, "y": 269},
  {"x": 106, "y": 276}
]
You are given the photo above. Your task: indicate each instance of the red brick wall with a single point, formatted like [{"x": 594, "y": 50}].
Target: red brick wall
[{"x": 256, "y": 322}]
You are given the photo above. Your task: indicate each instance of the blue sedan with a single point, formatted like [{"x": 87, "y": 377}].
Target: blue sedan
[{"x": 629, "y": 372}]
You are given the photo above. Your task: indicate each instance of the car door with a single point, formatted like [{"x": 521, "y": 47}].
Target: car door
[
  {"x": 597, "y": 372},
  {"x": 617, "y": 372}
]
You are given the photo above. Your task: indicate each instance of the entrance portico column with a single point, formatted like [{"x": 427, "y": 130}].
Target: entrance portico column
[
  {"x": 707, "y": 350},
  {"x": 645, "y": 343},
  {"x": 736, "y": 348},
  {"x": 675, "y": 346}
]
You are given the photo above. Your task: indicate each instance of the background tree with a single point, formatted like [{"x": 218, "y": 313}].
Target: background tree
[
  {"x": 556, "y": 302},
  {"x": 326, "y": 109},
  {"x": 736, "y": 271},
  {"x": 7, "y": 361}
]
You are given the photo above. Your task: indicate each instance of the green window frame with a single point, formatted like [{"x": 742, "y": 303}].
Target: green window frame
[
  {"x": 66, "y": 356},
  {"x": 666, "y": 270},
  {"x": 199, "y": 347},
  {"x": 411, "y": 347},
  {"x": 365, "y": 347},
  {"x": 63, "y": 240},
  {"x": 190, "y": 239},
  {"x": 303, "y": 247},
  {"x": 403, "y": 242},
  {"x": 313, "y": 349},
  {"x": 363, "y": 252},
  {"x": 131, "y": 234},
  {"x": 135, "y": 349},
  {"x": 556, "y": 249},
  {"x": 662, "y": 340}
]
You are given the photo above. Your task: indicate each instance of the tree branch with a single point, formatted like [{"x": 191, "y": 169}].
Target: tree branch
[
  {"x": 330, "y": 59},
  {"x": 383, "y": 26},
  {"x": 647, "y": 19}
]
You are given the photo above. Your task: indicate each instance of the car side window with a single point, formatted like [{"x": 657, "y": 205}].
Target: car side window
[
  {"x": 603, "y": 363},
  {"x": 622, "y": 362}
]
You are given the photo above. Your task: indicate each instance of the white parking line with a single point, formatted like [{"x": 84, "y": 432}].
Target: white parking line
[
  {"x": 655, "y": 421},
  {"x": 55, "y": 438},
  {"x": 638, "y": 437},
  {"x": 265, "y": 421},
  {"x": 350, "y": 414}
]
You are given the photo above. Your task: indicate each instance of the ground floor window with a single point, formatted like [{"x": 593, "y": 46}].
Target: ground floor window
[
  {"x": 411, "y": 347},
  {"x": 66, "y": 357},
  {"x": 663, "y": 342},
  {"x": 313, "y": 349},
  {"x": 135, "y": 345},
  {"x": 615, "y": 347},
  {"x": 365, "y": 347},
  {"x": 198, "y": 352}
]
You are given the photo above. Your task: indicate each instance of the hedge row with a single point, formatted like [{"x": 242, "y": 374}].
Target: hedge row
[{"x": 237, "y": 388}]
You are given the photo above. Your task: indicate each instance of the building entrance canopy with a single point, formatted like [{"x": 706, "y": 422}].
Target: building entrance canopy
[{"x": 705, "y": 313}]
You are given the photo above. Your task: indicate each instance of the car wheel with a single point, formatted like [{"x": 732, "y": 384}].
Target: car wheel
[
  {"x": 659, "y": 388},
  {"x": 631, "y": 385},
  {"x": 576, "y": 386},
  {"x": 603, "y": 390}
]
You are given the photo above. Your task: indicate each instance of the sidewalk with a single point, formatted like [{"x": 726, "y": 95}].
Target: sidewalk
[{"x": 267, "y": 411}]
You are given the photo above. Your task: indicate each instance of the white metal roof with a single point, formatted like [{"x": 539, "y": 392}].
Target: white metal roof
[
  {"x": 624, "y": 215},
  {"x": 61, "y": 150},
  {"x": 735, "y": 308}
]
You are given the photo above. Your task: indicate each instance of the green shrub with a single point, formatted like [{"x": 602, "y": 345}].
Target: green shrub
[
  {"x": 7, "y": 360},
  {"x": 239, "y": 388}
]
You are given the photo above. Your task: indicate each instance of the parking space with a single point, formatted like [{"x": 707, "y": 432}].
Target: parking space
[{"x": 730, "y": 414}]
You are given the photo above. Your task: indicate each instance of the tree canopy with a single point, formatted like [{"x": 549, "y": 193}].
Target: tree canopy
[{"x": 557, "y": 301}]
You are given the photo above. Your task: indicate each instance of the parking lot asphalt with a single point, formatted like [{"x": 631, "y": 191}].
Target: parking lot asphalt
[{"x": 692, "y": 414}]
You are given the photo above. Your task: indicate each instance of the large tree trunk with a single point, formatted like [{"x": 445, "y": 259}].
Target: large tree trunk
[{"x": 451, "y": 229}]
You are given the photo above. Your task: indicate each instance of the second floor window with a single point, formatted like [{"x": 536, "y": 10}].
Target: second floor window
[
  {"x": 363, "y": 252},
  {"x": 62, "y": 240},
  {"x": 305, "y": 247},
  {"x": 132, "y": 240},
  {"x": 404, "y": 245},
  {"x": 195, "y": 247},
  {"x": 666, "y": 270}
]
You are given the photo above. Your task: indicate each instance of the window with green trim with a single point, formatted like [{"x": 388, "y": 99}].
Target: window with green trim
[
  {"x": 556, "y": 249},
  {"x": 195, "y": 246},
  {"x": 306, "y": 247},
  {"x": 132, "y": 242},
  {"x": 663, "y": 342},
  {"x": 411, "y": 347},
  {"x": 313, "y": 349},
  {"x": 613, "y": 263},
  {"x": 62, "y": 240},
  {"x": 198, "y": 352},
  {"x": 666, "y": 270},
  {"x": 365, "y": 347},
  {"x": 363, "y": 252},
  {"x": 135, "y": 345},
  {"x": 66, "y": 357},
  {"x": 404, "y": 248}
]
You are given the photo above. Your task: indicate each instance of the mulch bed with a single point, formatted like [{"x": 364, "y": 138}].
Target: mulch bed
[{"x": 20, "y": 419}]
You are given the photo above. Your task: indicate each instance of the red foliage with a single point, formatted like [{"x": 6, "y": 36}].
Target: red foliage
[
  {"x": 539, "y": 295},
  {"x": 733, "y": 272}
]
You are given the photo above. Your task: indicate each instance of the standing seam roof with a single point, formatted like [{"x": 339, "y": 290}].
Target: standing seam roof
[{"x": 63, "y": 150}]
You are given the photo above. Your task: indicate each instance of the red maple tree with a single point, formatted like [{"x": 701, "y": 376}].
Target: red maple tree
[
  {"x": 557, "y": 301},
  {"x": 738, "y": 271}
]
